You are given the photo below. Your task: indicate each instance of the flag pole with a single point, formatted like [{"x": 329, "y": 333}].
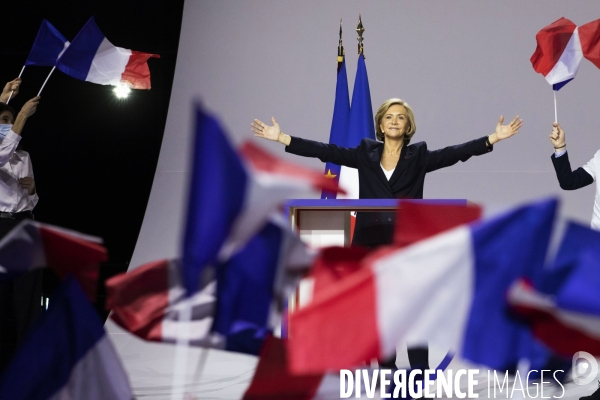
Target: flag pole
[
  {"x": 48, "y": 77},
  {"x": 181, "y": 352},
  {"x": 555, "y": 113},
  {"x": 12, "y": 91}
]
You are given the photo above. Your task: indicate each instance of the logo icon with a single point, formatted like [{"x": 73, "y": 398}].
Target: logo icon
[{"x": 584, "y": 368}]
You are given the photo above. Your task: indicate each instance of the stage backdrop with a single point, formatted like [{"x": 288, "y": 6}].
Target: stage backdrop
[{"x": 458, "y": 64}]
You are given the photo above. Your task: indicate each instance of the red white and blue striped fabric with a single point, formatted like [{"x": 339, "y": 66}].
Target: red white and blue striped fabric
[
  {"x": 558, "y": 53},
  {"x": 32, "y": 245},
  {"x": 232, "y": 194},
  {"x": 92, "y": 58},
  {"x": 67, "y": 355},
  {"x": 564, "y": 330},
  {"x": 448, "y": 290},
  {"x": 234, "y": 313}
]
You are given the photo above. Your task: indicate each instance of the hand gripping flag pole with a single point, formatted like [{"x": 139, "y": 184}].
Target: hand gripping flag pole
[{"x": 12, "y": 91}]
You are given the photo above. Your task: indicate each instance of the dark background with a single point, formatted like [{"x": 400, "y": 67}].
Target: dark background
[{"x": 94, "y": 155}]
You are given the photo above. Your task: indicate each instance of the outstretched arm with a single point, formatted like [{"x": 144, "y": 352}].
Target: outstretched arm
[
  {"x": 27, "y": 111},
  {"x": 567, "y": 178},
  {"x": 452, "y": 154},
  {"x": 306, "y": 148}
]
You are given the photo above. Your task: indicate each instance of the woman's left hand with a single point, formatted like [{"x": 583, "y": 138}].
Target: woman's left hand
[
  {"x": 29, "y": 184},
  {"x": 506, "y": 131}
]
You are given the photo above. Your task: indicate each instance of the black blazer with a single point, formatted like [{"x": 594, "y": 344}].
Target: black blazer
[
  {"x": 407, "y": 181},
  {"x": 568, "y": 179}
]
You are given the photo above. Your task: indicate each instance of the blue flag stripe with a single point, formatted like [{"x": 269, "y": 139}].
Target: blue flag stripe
[
  {"x": 77, "y": 59},
  {"x": 245, "y": 291},
  {"x": 60, "y": 338},
  {"x": 217, "y": 191},
  {"x": 508, "y": 247},
  {"x": 48, "y": 44}
]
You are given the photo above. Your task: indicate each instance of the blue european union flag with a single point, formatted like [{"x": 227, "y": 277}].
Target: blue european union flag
[{"x": 339, "y": 123}]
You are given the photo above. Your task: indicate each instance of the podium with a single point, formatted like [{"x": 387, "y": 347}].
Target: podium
[{"x": 327, "y": 222}]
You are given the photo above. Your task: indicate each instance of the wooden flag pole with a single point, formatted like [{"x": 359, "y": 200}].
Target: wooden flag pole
[{"x": 12, "y": 91}]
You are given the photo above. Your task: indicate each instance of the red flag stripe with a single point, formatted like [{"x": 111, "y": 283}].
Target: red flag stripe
[
  {"x": 137, "y": 72},
  {"x": 551, "y": 42},
  {"x": 67, "y": 254},
  {"x": 589, "y": 34},
  {"x": 264, "y": 162},
  {"x": 138, "y": 299},
  {"x": 353, "y": 304}
]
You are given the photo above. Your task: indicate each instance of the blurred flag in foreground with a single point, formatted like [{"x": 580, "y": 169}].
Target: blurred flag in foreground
[
  {"x": 565, "y": 312},
  {"x": 232, "y": 194},
  {"x": 92, "y": 58},
  {"x": 272, "y": 380},
  {"x": 463, "y": 275},
  {"x": 558, "y": 53},
  {"x": 67, "y": 355},
  {"x": 32, "y": 245},
  {"x": 48, "y": 46},
  {"x": 235, "y": 312}
]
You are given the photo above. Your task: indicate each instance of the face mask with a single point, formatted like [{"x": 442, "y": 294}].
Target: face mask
[{"x": 4, "y": 128}]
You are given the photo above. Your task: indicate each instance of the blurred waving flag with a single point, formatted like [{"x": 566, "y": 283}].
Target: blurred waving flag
[
  {"x": 48, "y": 46},
  {"x": 67, "y": 355},
  {"x": 272, "y": 379},
  {"x": 564, "y": 312},
  {"x": 360, "y": 125},
  {"x": 92, "y": 58},
  {"x": 558, "y": 53},
  {"x": 31, "y": 245},
  {"x": 232, "y": 194},
  {"x": 464, "y": 274},
  {"x": 339, "y": 123},
  {"x": 234, "y": 312}
]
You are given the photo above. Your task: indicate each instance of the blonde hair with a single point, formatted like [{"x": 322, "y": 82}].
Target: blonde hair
[{"x": 410, "y": 116}]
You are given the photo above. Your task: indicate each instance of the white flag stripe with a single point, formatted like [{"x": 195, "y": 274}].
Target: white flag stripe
[{"x": 436, "y": 277}]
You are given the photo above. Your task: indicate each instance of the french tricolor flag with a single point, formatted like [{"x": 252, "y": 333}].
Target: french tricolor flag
[
  {"x": 558, "y": 53},
  {"x": 564, "y": 311},
  {"x": 67, "y": 355},
  {"x": 232, "y": 194},
  {"x": 32, "y": 245},
  {"x": 234, "y": 313},
  {"x": 92, "y": 58},
  {"x": 448, "y": 290}
]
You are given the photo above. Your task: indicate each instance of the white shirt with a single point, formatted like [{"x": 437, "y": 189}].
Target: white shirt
[
  {"x": 592, "y": 168},
  {"x": 14, "y": 164},
  {"x": 388, "y": 174},
  {"x": 8, "y": 146}
]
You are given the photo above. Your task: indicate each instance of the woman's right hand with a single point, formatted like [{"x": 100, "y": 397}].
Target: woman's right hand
[
  {"x": 263, "y": 130},
  {"x": 557, "y": 136},
  {"x": 27, "y": 111}
]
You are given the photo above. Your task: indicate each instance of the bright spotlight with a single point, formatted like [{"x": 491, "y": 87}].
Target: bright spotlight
[{"x": 121, "y": 91}]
